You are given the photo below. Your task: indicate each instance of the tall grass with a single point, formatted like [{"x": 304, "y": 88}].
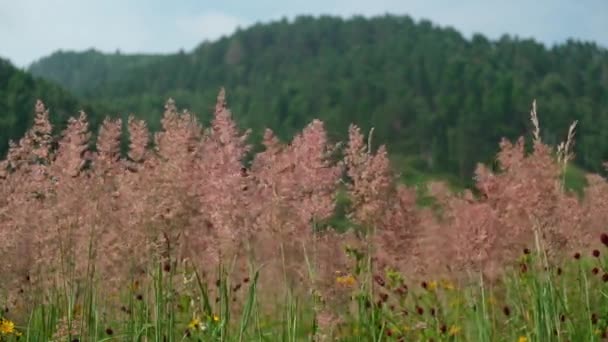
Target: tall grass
[{"x": 311, "y": 242}]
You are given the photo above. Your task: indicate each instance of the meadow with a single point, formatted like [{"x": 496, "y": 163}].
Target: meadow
[{"x": 191, "y": 234}]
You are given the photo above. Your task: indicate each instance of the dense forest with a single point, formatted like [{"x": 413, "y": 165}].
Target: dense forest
[
  {"x": 18, "y": 94},
  {"x": 441, "y": 101}
]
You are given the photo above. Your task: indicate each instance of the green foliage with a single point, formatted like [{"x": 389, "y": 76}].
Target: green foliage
[
  {"x": 18, "y": 94},
  {"x": 431, "y": 94}
]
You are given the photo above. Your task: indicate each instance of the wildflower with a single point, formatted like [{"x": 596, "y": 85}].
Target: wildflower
[
  {"x": 454, "y": 330},
  {"x": 447, "y": 285},
  {"x": 216, "y": 318},
  {"x": 347, "y": 280},
  {"x": 522, "y": 339},
  {"x": 195, "y": 323},
  {"x": 6, "y": 326},
  {"x": 432, "y": 285}
]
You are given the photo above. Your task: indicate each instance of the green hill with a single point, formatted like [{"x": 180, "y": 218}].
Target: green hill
[
  {"x": 441, "y": 101},
  {"x": 18, "y": 94}
]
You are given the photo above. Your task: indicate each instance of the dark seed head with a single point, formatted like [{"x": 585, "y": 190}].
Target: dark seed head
[
  {"x": 559, "y": 271},
  {"x": 562, "y": 318},
  {"x": 523, "y": 268},
  {"x": 379, "y": 280},
  {"x": 139, "y": 297},
  {"x": 383, "y": 297},
  {"x": 109, "y": 331},
  {"x": 433, "y": 312},
  {"x": 596, "y": 253},
  {"x": 526, "y": 250},
  {"x": 577, "y": 255},
  {"x": 604, "y": 239},
  {"x": 246, "y": 280},
  {"x": 167, "y": 267},
  {"x": 424, "y": 285},
  {"x": 594, "y": 318},
  {"x": 419, "y": 310},
  {"x": 507, "y": 311},
  {"x": 595, "y": 270},
  {"x": 605, "y": 277},
  {"x": 443, "y": 328}
]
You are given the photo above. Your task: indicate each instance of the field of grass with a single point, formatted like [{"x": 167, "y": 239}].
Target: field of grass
[
  {"x": 533, "y": 301},
  {"x": 313, "y": 241}
]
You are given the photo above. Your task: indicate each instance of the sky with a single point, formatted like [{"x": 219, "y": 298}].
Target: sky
[{"x": 31, "y": 29}]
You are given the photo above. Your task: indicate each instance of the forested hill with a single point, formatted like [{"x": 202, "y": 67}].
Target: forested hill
[
  {"x": 18, "y": 94},
  {"x": 84, "y": 72},
  {"x": 438, "y": 99}
]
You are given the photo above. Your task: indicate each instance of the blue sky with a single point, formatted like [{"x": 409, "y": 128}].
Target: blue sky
[{"x": 30, "y": 29}]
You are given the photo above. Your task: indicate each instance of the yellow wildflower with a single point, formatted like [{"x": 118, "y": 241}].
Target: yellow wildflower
[
  {"x": 454, "y": 330},
  {"x": 6, "y": 326},
  {"x": 432, "y": 285},
  {"x": 216, "y": 318},
  {"x": 447, "y": 284},
  {"x": 195, "y": 323},
  {"x": 347, "y": 280},
  {"x": 522, "y": 339}
]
